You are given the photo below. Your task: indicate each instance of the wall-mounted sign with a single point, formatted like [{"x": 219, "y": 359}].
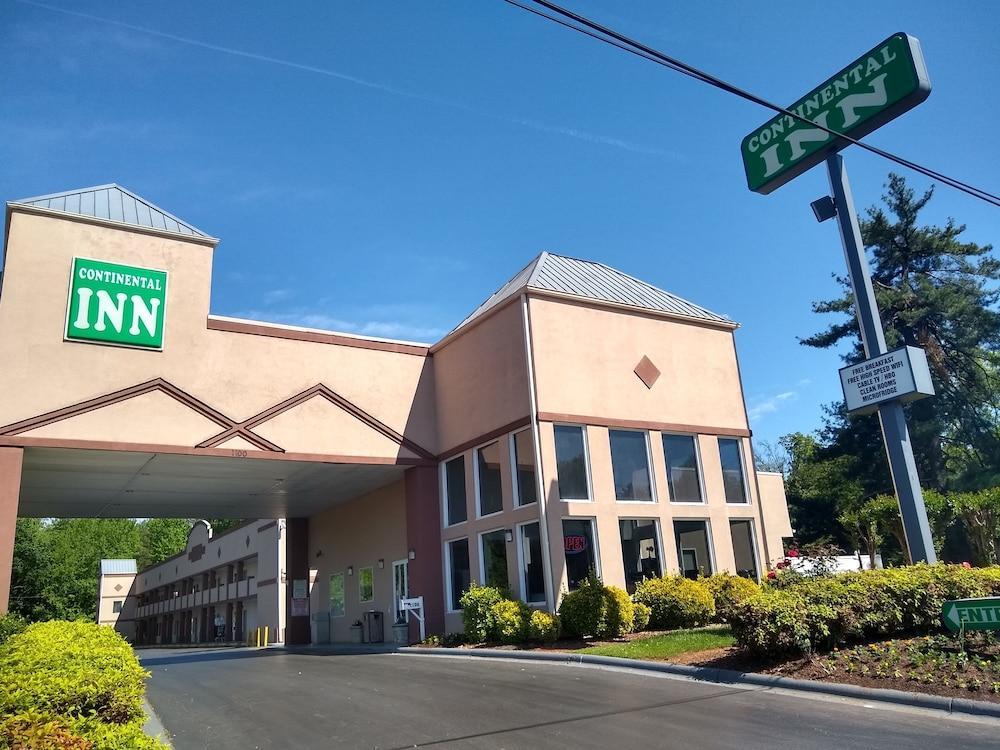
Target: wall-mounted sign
[
  {"x": 900, "y": 374},
  {"x": 971, "y": 614},
  {"x": 575, "y": 543},
  {"x": 114, "y": 304},
  {"x": 299, "y": 589},
  {"x": 874, "y": 89}
]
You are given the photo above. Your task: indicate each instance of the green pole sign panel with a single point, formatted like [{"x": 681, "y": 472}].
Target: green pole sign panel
[
  {"x": 115, "y": 304},
  {"x": 874, "y": 89},
  {"x": 971, "y": 614}
]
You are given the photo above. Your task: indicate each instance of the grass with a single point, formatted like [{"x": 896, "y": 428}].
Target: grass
[{"x": 667, "y": 645}]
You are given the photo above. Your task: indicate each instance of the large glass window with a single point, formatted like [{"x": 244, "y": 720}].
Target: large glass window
[
  {"x": 693, "y": 551},
  {"x": 454, "y": 484},
  {"x": 578, "y": 544},
  {"x": 490, "y": 492},
  {"x": 630, "y": 465},
  {"x": 458, "y": 570},
  {"x": 571, "y": 463},
  {"x": 683, "y": 478},
  {"x": 533, "y": 575},
  {"x": 732, "y": 470},
  {"x": 640, "y": 551},
  {"x": 337, "y": 598},
  {"x": 743, "y": 547},
  {"x": 495, "y": 559},
  {"x": 524, "y": 468},
  {"x": 366, "y": 584}
]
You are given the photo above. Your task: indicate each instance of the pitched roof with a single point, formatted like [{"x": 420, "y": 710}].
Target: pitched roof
[
  {"x": 113, "y": 203},
  {"x": 111, "y": 567},
  {"x": 594, "y": 281}
]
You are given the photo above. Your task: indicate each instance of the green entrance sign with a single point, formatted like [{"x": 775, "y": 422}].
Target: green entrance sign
[
  {"x": 115, "y": 304},
  {"x": 971, "y": 614},
  {"x": 874, "y": 89}
]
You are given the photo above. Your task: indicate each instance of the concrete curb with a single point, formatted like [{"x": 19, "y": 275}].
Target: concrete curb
[
  {"x": 152, "y": 726},
  {"x": 732, "y": 677}
]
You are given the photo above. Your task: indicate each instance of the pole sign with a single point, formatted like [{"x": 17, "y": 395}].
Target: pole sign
[
  {"x": 900, "y": 374},
  {"x": 115, "y": 304},
  {"x": 971, "y": 614},
  {"x": 874, "y": 89}
]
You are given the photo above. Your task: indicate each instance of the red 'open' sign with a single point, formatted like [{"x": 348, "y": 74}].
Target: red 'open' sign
[{"x": 575, "y": 543}]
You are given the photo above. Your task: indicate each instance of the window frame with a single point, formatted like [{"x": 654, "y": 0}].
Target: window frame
[
  {"x": 710, "y": 542},
  {"x": 120, "y": 604},
  {"x": 479, "y": 498},
  {"x": 657, "y": 530},
  {"x": 482, "y": 554},
  {"x": 515, "y": 475},
  {"x": 593, "y": 535},
  {"x": 343, "y": 576},
  {"x": 699, "y": 466},
  {"x": 743, "y": 470},
  {"x": 360, "y": 571},
  {"x": 447, "y": 572},
  {"x": 586, "y": 462},
  {"x": 521, "y": 571},
  {"x": 444, "y": 492},
  {"x": 753, "y": 542},
  {"x": 649, "y": 467}
]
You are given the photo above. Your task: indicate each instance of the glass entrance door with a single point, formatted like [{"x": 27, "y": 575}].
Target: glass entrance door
[{"x": 400, "y": 588}]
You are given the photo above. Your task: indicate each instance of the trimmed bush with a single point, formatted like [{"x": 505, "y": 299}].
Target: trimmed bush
[
  {"x": 11, "y": 624},
  {"x": 584, "y": 612},
  {"x": 676, "y": 602},
  {"x": 640, "y": 620},
  {"x": 509, "y": 621},
  {"x": 543, "y": 627},
  {"x": 39, "y": 731},
  {"x": 477, "y": 618},
  {"x": 620, "y": 617},
  {"x": 728, "y": 591}
]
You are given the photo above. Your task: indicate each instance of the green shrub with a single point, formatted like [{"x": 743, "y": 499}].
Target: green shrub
[
  {"x": 728, "y": 591},
  {"x": 584, "y": 612},
  {"x": 676, "y": 602},
  {"x": 509, "y": 621},
  {"x": 11, "y": 624},
  {"x": 30, "y": 731},
  {"x": 620, "y": 613},
  {"x": 640, "y": 620},
  {"x": 771, "y": 622},
  {"x": 477, "y": 619},
  {"x": 543, "y": 627}
]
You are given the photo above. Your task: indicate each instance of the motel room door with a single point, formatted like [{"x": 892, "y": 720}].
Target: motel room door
[{"x": 400, "y": 589}]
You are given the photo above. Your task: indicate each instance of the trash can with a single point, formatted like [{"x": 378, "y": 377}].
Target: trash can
[
  {"x": 373, "y": 627},
  {"x": 320, "y": 627}
]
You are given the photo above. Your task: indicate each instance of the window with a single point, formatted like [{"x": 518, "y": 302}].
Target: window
[
  {"x": 630, "y": 465},
  {"x": 681, "y": 454},
  {"x": 571, "y": 463},
  {"x": 454, "y": 490},
  {"x": 640, "y": 551},
  {"x": 459, "y": 579},
  {"x": 693, "y": 550},
  {"x": 490, "y": 493},
  {"x": 524, "y": 467},
  {"x": 743, "y": 547},
  {"x": 366, "y": 584},
  {"x": 495, "y": 559},
  {"x": 578, "y": 544},
  {"x": 337, "y": 595},
  {"x": 116, "y": 606},
  {"x": 532, "y": 572},
  {"x": 732, "y": 470}
]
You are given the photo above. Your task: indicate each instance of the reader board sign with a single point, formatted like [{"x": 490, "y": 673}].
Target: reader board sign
[
  {"x": 110, "y": 303},
  {"x": 879, "y": 86},
  {"x": 900, "y": 374},
  {"x": 971, "y": 614},
  {"x": 409, "y": 605}
]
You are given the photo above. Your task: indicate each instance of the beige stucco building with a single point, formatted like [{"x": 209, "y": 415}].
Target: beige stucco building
[
  {"x": 115, "y": 599},
  {"x": 579, "y": 418}
]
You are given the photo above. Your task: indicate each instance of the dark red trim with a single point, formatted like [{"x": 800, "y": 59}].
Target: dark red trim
[
  {"x": 492, "y": 434},
  {"x": 635, "y": 424}
]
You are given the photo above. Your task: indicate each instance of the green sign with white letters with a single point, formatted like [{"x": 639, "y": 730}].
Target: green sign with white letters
[
  {"x": 971, "y": 614},
  {"x": 874, "y": 89},
  {"x": 114, "y": 304}
]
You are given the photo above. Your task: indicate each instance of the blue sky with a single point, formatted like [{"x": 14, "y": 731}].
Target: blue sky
[{"x": 382, "y": 167}]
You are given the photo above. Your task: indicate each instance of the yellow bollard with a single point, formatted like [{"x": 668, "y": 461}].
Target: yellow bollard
[
  {"x": 258, "y": 637},
  {"x": 265, "y": 635}
]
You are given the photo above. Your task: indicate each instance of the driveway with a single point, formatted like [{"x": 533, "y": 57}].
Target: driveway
[{"x": 242, "y": 699}]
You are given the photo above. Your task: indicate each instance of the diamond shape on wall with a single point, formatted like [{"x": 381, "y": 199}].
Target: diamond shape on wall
[
  {"x": 118, "y": 587},
  {"x": 647, "y": 372}
]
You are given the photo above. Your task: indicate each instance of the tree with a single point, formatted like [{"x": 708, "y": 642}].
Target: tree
[
  {"x": 160, "y": 538},
  {"x": 29, "y": 570},
  {"x": 862, "y": 525},
  {"x": 770, "y": 456},
  {"x": 980, "y": 514},
  {"x": 222, "y": 525},
  {"x": 937, "y": 293}
]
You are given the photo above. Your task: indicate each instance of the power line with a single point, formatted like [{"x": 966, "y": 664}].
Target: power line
[{"x": 603, "y": 34}]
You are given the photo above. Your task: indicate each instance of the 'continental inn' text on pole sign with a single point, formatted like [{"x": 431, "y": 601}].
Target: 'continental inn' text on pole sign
[
  {"x": 875, "y": 88},
  {"x": 115, "y": 304}
]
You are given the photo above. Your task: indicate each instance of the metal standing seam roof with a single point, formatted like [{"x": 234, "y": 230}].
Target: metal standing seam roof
[
  {"x": 111, "y": 567},
  {"x": 594, "y": 281},
  {"x": 113, "y": 203}
]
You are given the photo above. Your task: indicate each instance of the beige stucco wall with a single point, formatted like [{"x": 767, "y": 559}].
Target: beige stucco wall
[
  {"x": 238, "y": 374},
  {"x": 778, "y": 523},
  {"x": 112, "y": 587},
  {"x": 358, "y": 534}
]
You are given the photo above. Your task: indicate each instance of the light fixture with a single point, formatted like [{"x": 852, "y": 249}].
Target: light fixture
[
  {"x": 824, "y": 208},
  {"x": 350, "y": 570},
  {"x": 381, "y": 562},
  {"x": 319, "y": 553},
  {"x": 412, "y": 554},
  {"x": 509, "y": 534}
]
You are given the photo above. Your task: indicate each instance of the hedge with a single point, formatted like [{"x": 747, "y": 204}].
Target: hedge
[
  {"x": 73, "y": 680},
  {"x": 729, "y": 590},
  {"x": 477, "y": 612},
  {"x": 676, "y": 602},
  {"x": 815, "y": 614},
  {"x": 594, "y": 609}
]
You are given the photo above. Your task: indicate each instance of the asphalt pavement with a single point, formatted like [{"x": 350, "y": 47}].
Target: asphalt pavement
[{"x": 243, "y": 699}]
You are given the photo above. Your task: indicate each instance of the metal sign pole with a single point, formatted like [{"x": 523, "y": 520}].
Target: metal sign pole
[{"x": 902, "y": 465}]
